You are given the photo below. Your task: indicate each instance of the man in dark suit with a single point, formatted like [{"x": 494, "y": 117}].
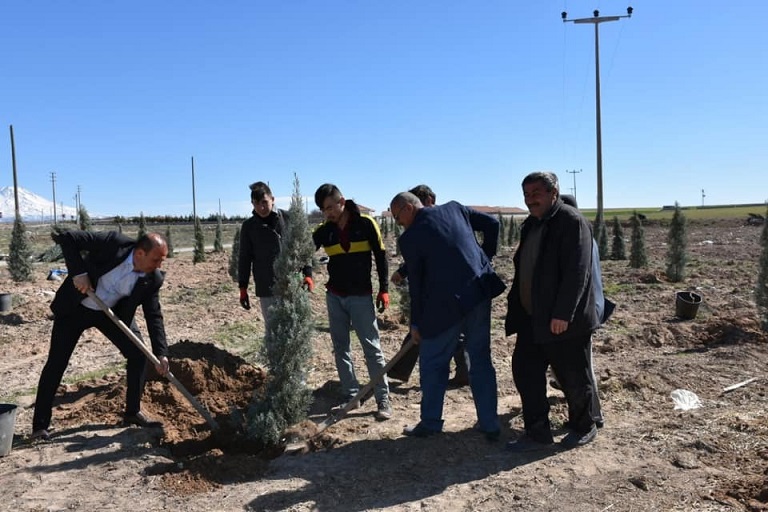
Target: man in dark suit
[{"x": 125, "y": 274}]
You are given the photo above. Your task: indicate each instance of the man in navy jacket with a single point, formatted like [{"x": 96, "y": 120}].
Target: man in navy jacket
[
  {"x": 125, "y": 274},
  {"x": 451, "y": 284}
]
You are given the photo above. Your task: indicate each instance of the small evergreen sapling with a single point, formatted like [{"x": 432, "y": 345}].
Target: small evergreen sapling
[
  {"x": 618, "y": 252},
  {"x": 217, "y": 245},
  {"x": 637, "y": 255},
  {"x": 199, "y": 252},
  {"x": 169, "y": 241},
  {"x": 142, "y": 225},
  {"x": 676, "y": 251},
  {"x": 19, "y": 263},
  {"x": 287, "y": 345},
  {"x": 761, "y": 291},
  {"x": 84, "y": 219},
  {"x": 601, "y": 237},
  {"x": 234, "y": 257}
]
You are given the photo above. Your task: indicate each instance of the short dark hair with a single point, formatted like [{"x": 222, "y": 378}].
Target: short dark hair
[
  {"x": 325, "y": 191},
  {"x": 548, "y": 178},
  {"x": 423, "y": 192},
  {"x": 259, "y": 190}
]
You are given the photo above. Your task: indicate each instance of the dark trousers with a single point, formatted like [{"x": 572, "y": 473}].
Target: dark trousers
[
  {"x": 570, "y": 360},
  {"x": 64, "y": 338}
]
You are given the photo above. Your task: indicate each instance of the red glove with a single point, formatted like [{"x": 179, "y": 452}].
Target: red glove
[
  {"x": 244, "y": 300},
  {"x": 382, "y": 301},
  {"x": 309, "y": 284}
]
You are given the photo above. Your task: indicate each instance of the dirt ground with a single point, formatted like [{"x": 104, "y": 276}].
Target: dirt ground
[{"x": 648, "y": 456}]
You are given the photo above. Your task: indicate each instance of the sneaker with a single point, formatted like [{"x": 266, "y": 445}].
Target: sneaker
[
  {"x": 419, "y": 430},
  {"x": 526, "y": 443},
  {"x": 576, "y": 439},
  {"x": 41, "y": 435},
  {"x": 385, "y": 410}
]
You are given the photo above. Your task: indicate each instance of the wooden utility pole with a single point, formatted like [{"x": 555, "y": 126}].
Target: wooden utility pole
[
  {"x": 15, "y": 179},
  {"x": 596, "y": 20},
  {"x": 574, "y": 172},
  {"x": 194, "y": 209}
]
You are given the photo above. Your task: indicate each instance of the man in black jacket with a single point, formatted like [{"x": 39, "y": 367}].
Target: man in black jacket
[
  {"x": 125, "y": 274},
  {"x": 261, "y": 239},
  {"x": 551, "y": 308}
]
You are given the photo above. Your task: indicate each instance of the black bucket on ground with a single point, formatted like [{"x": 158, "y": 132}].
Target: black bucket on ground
[
  {"x": 6, "y": 302},
  {"x": 687, "y": 305},
  {"x": 7, "y": 426}
]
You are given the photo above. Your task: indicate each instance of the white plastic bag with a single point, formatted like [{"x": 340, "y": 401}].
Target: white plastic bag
[{"x": 685, "y": 400}]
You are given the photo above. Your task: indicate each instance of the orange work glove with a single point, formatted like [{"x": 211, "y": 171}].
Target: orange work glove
[
  {"x": 309, "y": 284},
  {"x": 382, "y": 301},
  {"x": 244, "y": 300}
]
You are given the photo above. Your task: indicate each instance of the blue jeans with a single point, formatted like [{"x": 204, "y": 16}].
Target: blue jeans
[
  {"x": 434, "y": 360},
  {"x": 356, "y": 311}
]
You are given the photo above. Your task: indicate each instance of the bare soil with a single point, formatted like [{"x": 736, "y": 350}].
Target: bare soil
[{"x": 648, "y": 456}]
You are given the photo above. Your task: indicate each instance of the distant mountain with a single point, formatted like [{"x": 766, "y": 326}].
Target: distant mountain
[{"x": 32, "y": 207}]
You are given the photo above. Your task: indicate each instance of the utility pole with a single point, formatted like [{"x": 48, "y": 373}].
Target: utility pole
[
  {"x": 596, "y": 20},
  {"x": 15, "y": 180},
  {"x": 194, "y": 209},
  {"x": 53, "y": 185},
  {"x": 574, "y": 172}
]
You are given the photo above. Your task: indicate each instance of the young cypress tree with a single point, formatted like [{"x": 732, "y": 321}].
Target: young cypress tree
[
  {"x": 618, "y": 251},
  {"x": 502, "y": 227},
  {"x": 397, "y": 231},
  {"x": 142, "y": 225},
  {"x": 384, "y": 228},
  {"x": 637, "y": 255},
  {"x": 217, "y": 245},
  {"x": 601, "y": 237},
  {"x": 761, "y": 291},
  {"x": 514, "y": 232},
  {"x": 676, "y": 248},
  {"x": 234, "y": 257},
  {"x": 169, "y": 241},
  {"x": 85, "y": 223},
  {"x": 19, "y": 253},
  {"x": 199, "y": 252},
  {"x": 287, "y": 346}
]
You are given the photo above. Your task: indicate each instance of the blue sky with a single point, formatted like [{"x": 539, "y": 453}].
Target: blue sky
[{"x": 376, "y": 97}]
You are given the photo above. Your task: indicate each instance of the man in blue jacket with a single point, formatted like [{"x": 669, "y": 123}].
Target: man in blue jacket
[
  {"x": 551, "y": 308},
  {"x": 451, "y": 284}
]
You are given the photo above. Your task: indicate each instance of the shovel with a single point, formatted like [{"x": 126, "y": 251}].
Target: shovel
[
  {"x": 147, "y": 352},
  {"x": 337, "y": 416}
]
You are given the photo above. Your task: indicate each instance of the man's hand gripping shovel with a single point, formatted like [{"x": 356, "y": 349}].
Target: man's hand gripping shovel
[{"x": 153, "y": 359}]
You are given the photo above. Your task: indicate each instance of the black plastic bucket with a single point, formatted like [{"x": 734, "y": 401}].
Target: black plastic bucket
[
  {"x": 7, "y": 426},
  {"x": 687, "y": 305}
]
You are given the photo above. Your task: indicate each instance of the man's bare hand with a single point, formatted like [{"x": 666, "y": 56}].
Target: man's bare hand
[
  {"x": 558, "y": 326},
  {"x": 396, "y": 278},
  {"x": 83, "y": 284},
  {"x": 415, "y": 335},
  {"x": 163, "y": 367}
]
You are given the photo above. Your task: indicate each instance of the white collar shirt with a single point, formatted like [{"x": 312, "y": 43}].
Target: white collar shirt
[{"x": 115, "y": 284}]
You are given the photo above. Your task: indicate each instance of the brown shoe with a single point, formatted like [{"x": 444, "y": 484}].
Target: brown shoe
[{"x": 140, "y": 419}]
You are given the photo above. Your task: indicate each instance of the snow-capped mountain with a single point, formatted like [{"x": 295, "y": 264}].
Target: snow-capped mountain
[{"x": 32, "y": 207}]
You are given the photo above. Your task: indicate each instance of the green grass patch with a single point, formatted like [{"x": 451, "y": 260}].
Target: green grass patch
[{"x": 241, "y": 338}]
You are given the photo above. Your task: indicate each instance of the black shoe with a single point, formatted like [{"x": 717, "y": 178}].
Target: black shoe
[
  {"x": 526, "y": 443},
  {"x": 40, "y": 435},
  {"x": 555, "y": 384},
  {"x": 419, "y": 430},
  {"x": 391, "y": 374},
  {"x": 458, "y": 381},
  {"x": 490, "y": 435},
  {"x": 576, "y": 439},
  {"x": 140, "y": 419}
]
